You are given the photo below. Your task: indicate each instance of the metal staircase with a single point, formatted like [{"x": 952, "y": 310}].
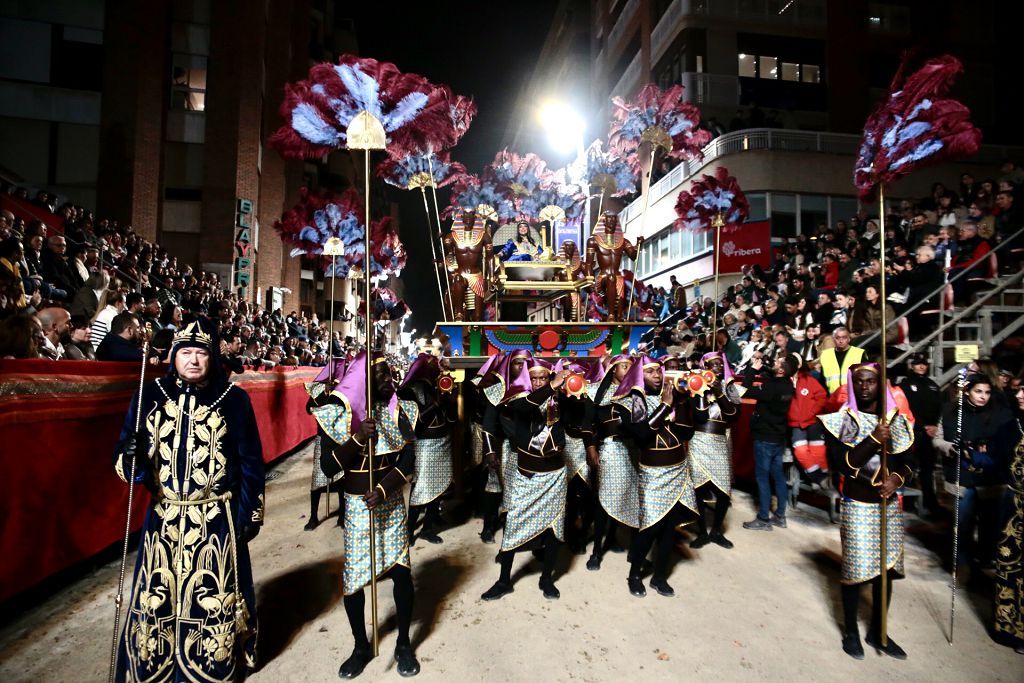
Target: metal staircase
[{"x": 996, "y": 313}]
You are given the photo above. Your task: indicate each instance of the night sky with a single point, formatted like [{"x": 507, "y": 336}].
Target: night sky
[{"x": 479, "y": 50}]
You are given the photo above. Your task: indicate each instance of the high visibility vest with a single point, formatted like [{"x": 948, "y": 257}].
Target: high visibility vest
[{"x": 835, "y": 376}]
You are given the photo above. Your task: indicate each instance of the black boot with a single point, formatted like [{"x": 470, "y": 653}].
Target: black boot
[
  {"x": 718, "y": 538},
  {"x": 314, "y": 508},
  {"x": 430, "y": 536},
  {"x": 594, "y": 563},
  {"x": 701, "y": 541},
  {"x": 852, "y": 646},
  {"x": 354, "y": 665},
  {"x": 496, "y": 592},
  {"x": 891, "y": 648},
  {"x": 636, "y": 586},
  {"x": 408, "y": 665},
  {"x": 660, "y": 585},
  {"x": 487, "y": 534},
  {"x": 547, "y": 587}
]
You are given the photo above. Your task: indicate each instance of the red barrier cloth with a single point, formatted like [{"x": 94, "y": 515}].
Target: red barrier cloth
[{"x": 60, "y": 501}]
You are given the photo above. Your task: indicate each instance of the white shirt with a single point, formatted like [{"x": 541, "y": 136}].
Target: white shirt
[{"x": 101, "y": 325}]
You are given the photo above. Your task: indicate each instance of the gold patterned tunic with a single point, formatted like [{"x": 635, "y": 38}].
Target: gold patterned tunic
[
  {"x": 1009, "y": 600},
  {"x": 192, "y": 609}
]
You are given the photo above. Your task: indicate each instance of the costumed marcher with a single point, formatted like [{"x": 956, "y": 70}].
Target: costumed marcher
[
  {"x": 657, "y": 417},
  {"x": 577, "y": 412},
  {"x": 438, "y": 412},
  {"x": 477, "y": 472},
  {"x": 1009, "y": 599},
  {"x": 613, "y": 459},
  {"x": 512, "y": 381},
  {"x": 854, "y": 436},
  {"x": 192, "y": 609},
  {"x": 711, "y": 448},
  {"x": 981, "y": 482},
  {"x": 319, "y": 391},
  {"x": 536, "y": 486},
  {"x": 390, "y": 429}
]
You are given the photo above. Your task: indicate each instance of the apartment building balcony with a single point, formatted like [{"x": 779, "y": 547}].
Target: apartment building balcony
[
  {"x": 630, "y": 80},
  {"x": 715, "y": 90},
  {"x": 618, "y": 31}
]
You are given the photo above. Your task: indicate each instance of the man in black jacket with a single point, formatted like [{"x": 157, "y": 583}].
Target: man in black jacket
[
  {"x": 925, "y": 401},
  {"x": 921, "y": 282},
  {"x": 770, "y": 432},
  {"x": 122, "y": 342}
]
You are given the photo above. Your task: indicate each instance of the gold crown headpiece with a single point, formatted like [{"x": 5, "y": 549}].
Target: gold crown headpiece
[{"x": 193, "y": 334}]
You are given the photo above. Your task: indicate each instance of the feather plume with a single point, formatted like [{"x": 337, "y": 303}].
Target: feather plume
[
  {"x": 916, "y": 125},
  {"x": 318, "y": 110},
  {"x": 709, "y": 197},
  {"x": 399, "y": 172},
  {"x": 603, "y": 170},
  {"x": 469, "y": 191},
  {"x": 653, "y": 109}
]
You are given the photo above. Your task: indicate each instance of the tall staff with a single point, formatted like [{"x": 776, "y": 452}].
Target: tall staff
[
  {"x": 717, "y": 222},
  {"x": 883, "y": 531},
  {"x": 961, "y": 387},
  {"x": 367, "y": 133},
  {"x": 658, "y": 139},
  {"x": 119, "y": 598}
]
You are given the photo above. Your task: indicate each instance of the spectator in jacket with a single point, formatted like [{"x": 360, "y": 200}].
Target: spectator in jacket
[
  {"x": 809, "y": 399},
  {"x": 770, "y": 433},
  {"x": 87, "y": 299},
  {"x": 970, "y": 249},
  {"x": 970, "y": 449},
  {"x": 123, "y": 341},
  {"x": 925, "y": 401}
]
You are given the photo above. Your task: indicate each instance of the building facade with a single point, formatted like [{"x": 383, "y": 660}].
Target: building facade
[{"x": 787, "y": 85}]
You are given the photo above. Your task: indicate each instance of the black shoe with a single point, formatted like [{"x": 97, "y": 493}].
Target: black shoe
[
  {"x": 547, "y": 587},
  {"x": 408, "y": 665},
  {"x": 852, "y": 646},
  {"x": 818, "y": 477},
  {"x": 718, "y": 538},
  {"x": 431, "y": 537},
  {"x": 661, "y": 586},
  {"x": 891, "y": 648},
  {"x": 636, "y": 586},
  {"x": 614, "y": 548},
  {"x": 487, "y": 536},
  {"x": 701, "y": 541},
  {"x": 497, "y": 591},
  {"x": 311, "y": 524},
  {"x": 594, "y": 563},
  {"x": 354, "y": 665},
  {"x": 778, "y": 521}
]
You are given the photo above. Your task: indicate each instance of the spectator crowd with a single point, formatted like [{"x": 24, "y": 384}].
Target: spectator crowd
[{"x": 90, "y": 290}]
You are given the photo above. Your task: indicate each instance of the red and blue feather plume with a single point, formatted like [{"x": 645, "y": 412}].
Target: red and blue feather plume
[
  {"x": 400, "y": 172},
  {"x": 711, "y": 196},
  {"x": 470, "y": 191},
  {"x": 916, "y": 125},
  {"x": 415, "y": 114},
  {"x": 653, "y": 110},
  {"x": 604, "y": 170},
  {"x": 518, "y": 175},
  {"x": 319, "y": 216}
]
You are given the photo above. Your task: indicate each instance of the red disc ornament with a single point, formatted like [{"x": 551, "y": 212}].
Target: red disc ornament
[
  {"x": 549, "y": 340},
  {"x": 445, "y": 383},
  {"x": 575, "y": 384}
]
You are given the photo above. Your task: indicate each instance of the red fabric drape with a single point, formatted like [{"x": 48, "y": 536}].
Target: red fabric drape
[{"x": 60, "y": 501}]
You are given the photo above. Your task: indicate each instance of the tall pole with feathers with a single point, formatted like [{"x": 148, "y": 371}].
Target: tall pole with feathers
[
  {"x": 654, "y": 122},
  {"x": 360, "y": 103},
  {"x": 914, "y": 126}
]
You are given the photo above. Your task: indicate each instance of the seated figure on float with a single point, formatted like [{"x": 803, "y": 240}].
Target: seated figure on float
[
  {"x": 605, "y": 249},
  {"x": 467, "y": 247},
  {"x": 523, "y": 247}
]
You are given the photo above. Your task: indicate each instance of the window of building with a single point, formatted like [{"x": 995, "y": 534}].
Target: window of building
[
  {"x": 758, "y": 206},
  {"x": 768, "y": 67},
  {"x": 747, "y": 65},
  {"x": 188, "y": 82},
  {"x": 888, "y": 18},
  {"x": 813, "y": 211},
  {"x": 790, "y": 71},
  {"x": 784, "y": 214},
  {"x": 810, "y": 73}
]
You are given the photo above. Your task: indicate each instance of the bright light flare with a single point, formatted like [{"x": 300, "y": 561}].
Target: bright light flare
[{"x": 564, "y": 126}]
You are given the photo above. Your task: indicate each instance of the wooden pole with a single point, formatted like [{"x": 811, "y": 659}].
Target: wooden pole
[
  {"x": 883, "y": 390},
  {"x": 368, "y": 308}
]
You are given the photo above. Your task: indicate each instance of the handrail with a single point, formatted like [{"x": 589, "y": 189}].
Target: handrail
[
  {"x": 776, "y": 139},
  {"x": 983, "y": 261}
]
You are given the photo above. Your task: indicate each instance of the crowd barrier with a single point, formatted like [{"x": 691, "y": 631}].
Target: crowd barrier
[{"x": 60, "y": 501}]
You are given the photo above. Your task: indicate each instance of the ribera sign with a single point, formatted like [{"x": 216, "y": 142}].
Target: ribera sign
[{"x": 745, "y": 245}]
